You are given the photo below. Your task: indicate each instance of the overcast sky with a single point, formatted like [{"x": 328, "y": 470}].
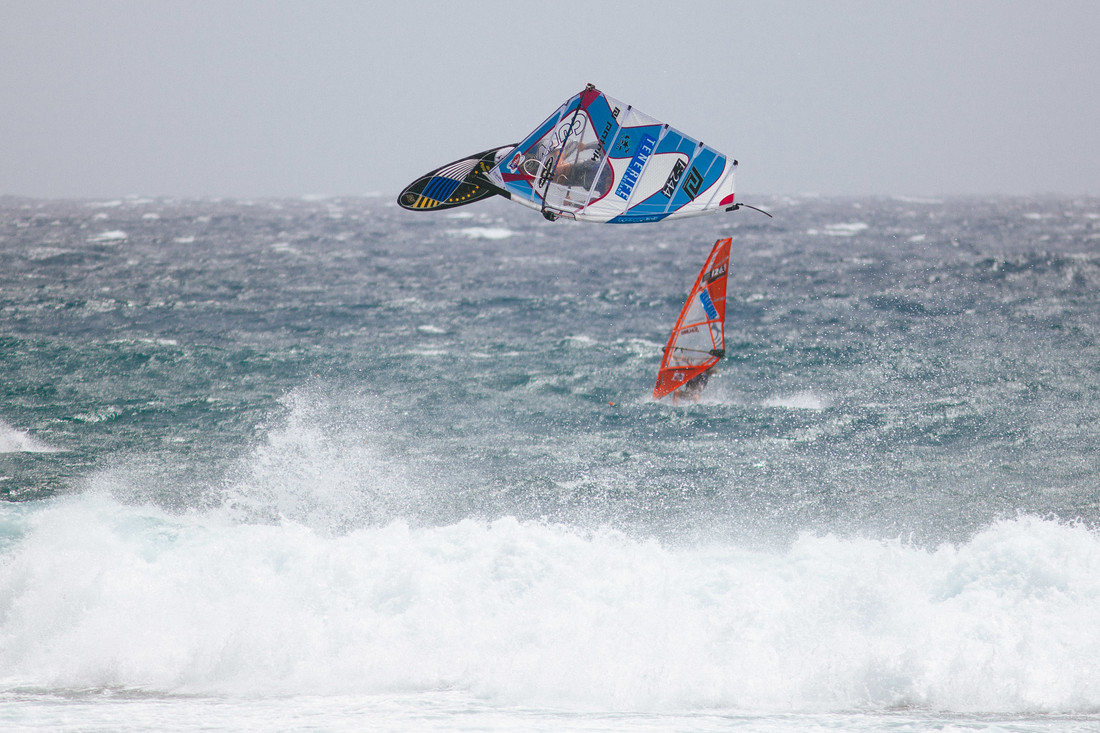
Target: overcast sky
[{"x": 254, "y": 99}]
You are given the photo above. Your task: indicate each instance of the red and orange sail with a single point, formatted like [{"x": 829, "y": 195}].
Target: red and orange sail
[{"x": 698, "y": 339}]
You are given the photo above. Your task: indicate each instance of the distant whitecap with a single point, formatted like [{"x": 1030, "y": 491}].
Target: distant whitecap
[
  {"x": 845, "y": 230},
  {"x": 116, "y": 235},
  {"x": 916, "y": 200},
  {"x": 45, "y": 253},
  {"x": 483, "y": 232},
  {"x": 799, "y": 401},
  {"x": 98, "y": 415}
]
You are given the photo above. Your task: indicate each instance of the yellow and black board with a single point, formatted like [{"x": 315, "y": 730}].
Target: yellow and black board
[{"x": 455, "y": 184}]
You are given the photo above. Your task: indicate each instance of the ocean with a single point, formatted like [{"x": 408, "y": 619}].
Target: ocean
[{"x": 326, "y": 464}]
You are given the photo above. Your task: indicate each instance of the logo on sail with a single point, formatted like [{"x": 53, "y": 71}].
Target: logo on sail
[
  {"x": 708, "y": 305},
  {"x": 694, "y": 181},
  {"x": 678, "y": 169},
  {"x": 637, "y": 163}
]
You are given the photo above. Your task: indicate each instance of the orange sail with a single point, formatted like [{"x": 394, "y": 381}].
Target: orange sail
[{"x": 698, "y": 339}]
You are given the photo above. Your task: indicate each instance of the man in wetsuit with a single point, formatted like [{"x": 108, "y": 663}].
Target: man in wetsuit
[{"x": 693, "y": 388}]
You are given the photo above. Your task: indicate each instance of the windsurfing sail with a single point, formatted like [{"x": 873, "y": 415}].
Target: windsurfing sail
[
  {"x": 698, "y": 340},
  {"x": 455, "y": 184},
  {"x": 600, "y": 160}
]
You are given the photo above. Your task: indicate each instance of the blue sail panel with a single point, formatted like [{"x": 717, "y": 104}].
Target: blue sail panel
[{"x": 597, "y": 159}]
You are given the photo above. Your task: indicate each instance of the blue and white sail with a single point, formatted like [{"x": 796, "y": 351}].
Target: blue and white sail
[{"x": 600, "y": 160}]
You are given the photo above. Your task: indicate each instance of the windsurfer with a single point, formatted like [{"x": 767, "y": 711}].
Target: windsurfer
[
  {"x": 698, "y": 342},
  {"x": 693, "y": 388},
  {"x": 577, "y": 168}
]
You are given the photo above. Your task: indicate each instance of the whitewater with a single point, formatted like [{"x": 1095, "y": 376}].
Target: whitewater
[{"x": 329, "y": 465}]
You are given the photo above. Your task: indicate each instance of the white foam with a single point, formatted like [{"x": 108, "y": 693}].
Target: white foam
[{"x": 97, "y": 595}]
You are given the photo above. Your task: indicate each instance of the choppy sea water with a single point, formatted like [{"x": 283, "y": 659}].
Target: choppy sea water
[{"x": 328, "y": 464}]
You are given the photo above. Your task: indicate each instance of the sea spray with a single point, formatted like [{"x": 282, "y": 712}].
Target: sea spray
[
  {"x": 326, "y": 466},
  {"x": 13, "y": 441}
]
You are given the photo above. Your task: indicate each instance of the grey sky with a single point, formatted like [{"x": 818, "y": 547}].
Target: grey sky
[{"x": 251, "y": 99}]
